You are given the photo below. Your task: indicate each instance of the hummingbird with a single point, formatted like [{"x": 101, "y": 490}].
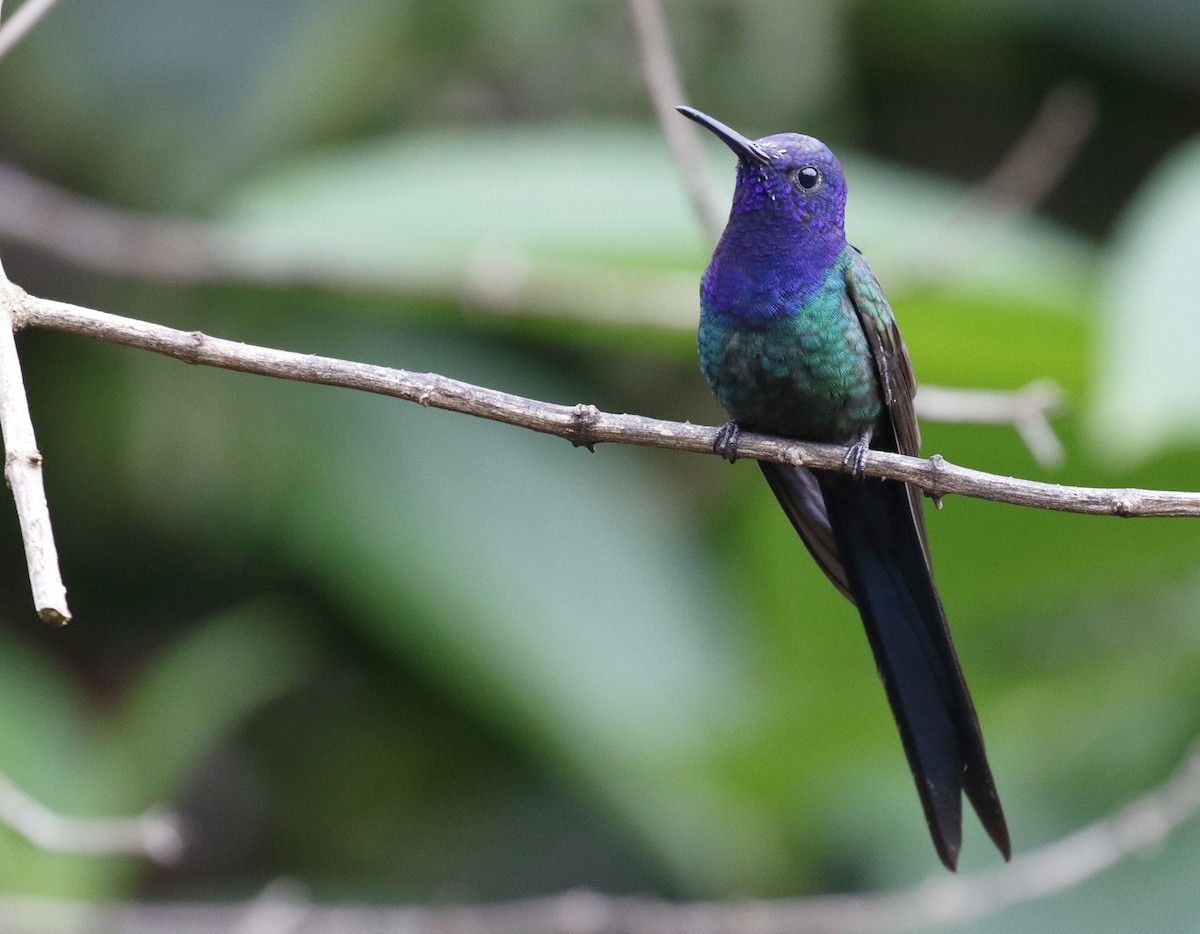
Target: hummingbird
[{"x": 797, "y": 340}]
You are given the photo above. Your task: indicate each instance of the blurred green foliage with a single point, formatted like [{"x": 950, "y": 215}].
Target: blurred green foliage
[{"x": 404, "y": 655}]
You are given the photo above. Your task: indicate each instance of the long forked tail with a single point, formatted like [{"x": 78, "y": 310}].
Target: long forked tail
[{"x": 880, "y": 561}]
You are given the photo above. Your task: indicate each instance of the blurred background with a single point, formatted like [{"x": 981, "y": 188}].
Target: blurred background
[{"x": 406, "y": 656}]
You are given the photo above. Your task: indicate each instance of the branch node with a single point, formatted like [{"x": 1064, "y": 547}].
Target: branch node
[
  {"x": 26, "y": 458},
  {"x": 1123, "y": 505},
  {"x": 584, "y": 418},
  {"x": 194, "y": 346},
  {"x": 934, "y": 489}
]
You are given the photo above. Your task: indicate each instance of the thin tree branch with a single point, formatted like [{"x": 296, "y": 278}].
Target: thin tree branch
[
  {"x": 23, "y": 472},
  {"x": 585, "y": 425},
  {"x": 18, "y": 25},
  {"x": 153, "y": 834},
  {"x": 666, "y": 90},
  {"x": 1134, "y": 829}
]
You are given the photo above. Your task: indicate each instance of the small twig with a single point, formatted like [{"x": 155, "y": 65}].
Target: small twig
[
  {"x": 574, "y": 422},
  {"x": 18, "y": 25},
  {"x": 106, "y": 239},
  {"x": 1021, "y": 180},
  {"x": 666, "y": 91},
  {"x": 23, "y": 473},
  {"x": 1132, "y": 830},
  {"x": 1027, "y": 410},
  {"x": 1036, "y": 163},
  {"x": 153, "y": 834}
]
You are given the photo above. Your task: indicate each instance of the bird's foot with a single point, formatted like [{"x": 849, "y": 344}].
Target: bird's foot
[
  {"x": 856, "y": 456},
  {"x": 727, "y": 441}
]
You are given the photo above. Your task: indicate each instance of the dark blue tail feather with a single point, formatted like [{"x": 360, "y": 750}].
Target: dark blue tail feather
[{"x": 882, "y": 557}]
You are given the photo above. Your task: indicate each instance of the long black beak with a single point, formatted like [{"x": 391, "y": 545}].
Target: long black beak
[{"x": 745, "y": 149}]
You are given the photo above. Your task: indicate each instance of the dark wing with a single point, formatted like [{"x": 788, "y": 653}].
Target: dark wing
[
  {"x": 896, "y": 378},
  {"x": 887, "y": 348},
  {"x": 800, "y": 496}
]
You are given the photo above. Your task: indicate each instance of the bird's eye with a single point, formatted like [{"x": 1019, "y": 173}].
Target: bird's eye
[{"x": 808, "y": 177}]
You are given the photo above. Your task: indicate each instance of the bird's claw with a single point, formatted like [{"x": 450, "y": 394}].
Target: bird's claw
[
  {"x": 727, "y": 441},
  {"x": 856, "y": 457}
]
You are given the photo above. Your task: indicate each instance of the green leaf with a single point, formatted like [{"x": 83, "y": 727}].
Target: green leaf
[
  {"x": 199, "y": 688},
  {"x": 1147, "y": 394},
  {"x": 458, "y": 198}
]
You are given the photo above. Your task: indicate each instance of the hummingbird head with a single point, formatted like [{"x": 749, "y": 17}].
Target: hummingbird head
[
  {"x": 788, "y": 174},
  {"x": 786, "y": 227}
]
